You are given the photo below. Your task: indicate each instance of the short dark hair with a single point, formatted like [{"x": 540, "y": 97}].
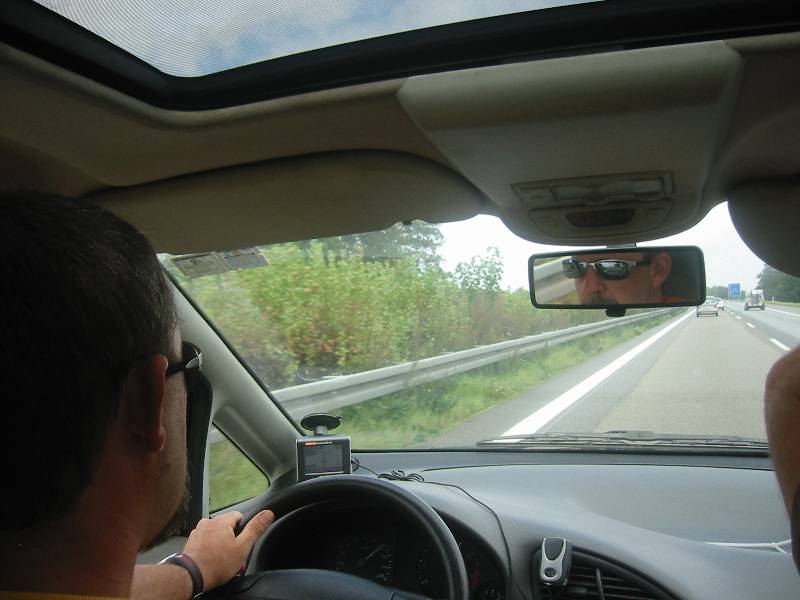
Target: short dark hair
[{"x": 83, "y": 299}]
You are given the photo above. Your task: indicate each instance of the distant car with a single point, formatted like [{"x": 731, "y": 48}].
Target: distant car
[
  {"x": 709, "y": 307},
  {"x": 721, "y": 304},
  {"x": 754, "y": 299}
]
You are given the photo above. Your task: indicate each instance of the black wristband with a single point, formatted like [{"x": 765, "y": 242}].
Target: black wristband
[{"x": 182, "y": 560}]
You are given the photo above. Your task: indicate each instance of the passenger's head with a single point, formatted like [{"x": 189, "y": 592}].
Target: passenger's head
[
  {"x": 636, "y": 280},
  {"x": 87, "y": 321}
]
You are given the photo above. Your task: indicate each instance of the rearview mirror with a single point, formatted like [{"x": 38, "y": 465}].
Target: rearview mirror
[{"x": 635, "y": 277}]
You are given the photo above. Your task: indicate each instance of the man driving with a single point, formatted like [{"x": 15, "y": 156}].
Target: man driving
[
  {"x": 619, "y": 278},
  {"x": 94, "y": 447}
]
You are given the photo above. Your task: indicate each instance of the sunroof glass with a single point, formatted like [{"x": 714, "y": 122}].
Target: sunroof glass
[{"x": 191, "y": 38}]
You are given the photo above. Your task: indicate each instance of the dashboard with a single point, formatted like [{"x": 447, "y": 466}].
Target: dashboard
[
  {"x": 668, "y": 527},
  {"x": 378, "y": 545}
]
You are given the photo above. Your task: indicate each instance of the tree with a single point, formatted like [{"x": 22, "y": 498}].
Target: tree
[
  {"x": 481, "y": 272},
  {"x": 417, "y": 240},
  {"x": 779, "y": 285},
  {"x": 720, "y": 291}
]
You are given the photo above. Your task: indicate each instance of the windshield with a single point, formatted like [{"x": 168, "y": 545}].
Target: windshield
[{"x": 424, "y": 336}]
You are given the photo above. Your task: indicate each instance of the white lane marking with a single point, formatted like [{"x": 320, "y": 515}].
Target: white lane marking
[
  {"x": 738, "y": 317},
  {"x": 783, "y": 347},
  {"x": 552, "y": 409},
  {"x": 750, "y": 325},
  {"x": 784, "y": 312}
]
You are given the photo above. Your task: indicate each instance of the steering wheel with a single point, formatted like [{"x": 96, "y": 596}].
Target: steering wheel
[{"x": 317, "y": 584}]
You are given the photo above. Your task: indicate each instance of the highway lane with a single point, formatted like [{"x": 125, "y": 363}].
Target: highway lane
[
  {"x": 708, "y": 380},
  {"x": 777, "y": 322},
  {"x": 692, "y": 375}
]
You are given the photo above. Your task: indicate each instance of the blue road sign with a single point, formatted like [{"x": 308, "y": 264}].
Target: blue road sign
[{"x": 734, "y": 290}]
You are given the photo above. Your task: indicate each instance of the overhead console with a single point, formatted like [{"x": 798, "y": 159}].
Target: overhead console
[
  {"x": 568, "y": 208},
  {"x": 598, "y": 149}
]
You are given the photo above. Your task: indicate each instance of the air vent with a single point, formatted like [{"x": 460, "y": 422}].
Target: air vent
[{"x": 593, "y": 578}]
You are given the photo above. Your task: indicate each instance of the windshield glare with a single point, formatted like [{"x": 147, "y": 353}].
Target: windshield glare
[{"x": 321, "y": 322}]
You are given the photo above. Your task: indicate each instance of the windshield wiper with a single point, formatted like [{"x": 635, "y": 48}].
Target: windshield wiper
[{"x": 626, "y": 439}]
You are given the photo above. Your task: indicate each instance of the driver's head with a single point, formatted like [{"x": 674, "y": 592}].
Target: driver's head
[
  {"x": 88, "y": 329},
  {"x": 641, "y": 283}
]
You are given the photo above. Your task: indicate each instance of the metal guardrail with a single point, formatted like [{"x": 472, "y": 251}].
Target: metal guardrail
[
  {"x": 551, "y": 284},
  {"x": 337, "y": 392}
]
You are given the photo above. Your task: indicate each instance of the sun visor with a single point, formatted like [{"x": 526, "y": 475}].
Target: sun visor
[
  {"x": 294, "y": 199},
  {"x": 767, "y": 216}
]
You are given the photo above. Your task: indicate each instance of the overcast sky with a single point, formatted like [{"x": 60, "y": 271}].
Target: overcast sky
[
  {"x": 197, "y": 37},
  {"x": 728, "y": 260}
]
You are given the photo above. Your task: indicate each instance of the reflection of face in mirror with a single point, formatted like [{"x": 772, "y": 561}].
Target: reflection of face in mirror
[{"x": 619, "y": 278}]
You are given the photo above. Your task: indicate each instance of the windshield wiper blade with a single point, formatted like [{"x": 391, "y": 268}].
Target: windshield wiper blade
[{"x": 626, "y": 438}]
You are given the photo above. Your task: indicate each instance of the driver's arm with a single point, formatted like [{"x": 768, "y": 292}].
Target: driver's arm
[{"x": 217, "y": 552}]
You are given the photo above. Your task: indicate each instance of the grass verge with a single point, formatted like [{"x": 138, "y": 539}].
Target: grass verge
[{"x": 231, "y": 476}]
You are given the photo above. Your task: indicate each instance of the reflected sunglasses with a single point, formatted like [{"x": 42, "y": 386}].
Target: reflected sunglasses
[
  {"x": 190, "y": 364},
  {"x": 610, "y": 269}
]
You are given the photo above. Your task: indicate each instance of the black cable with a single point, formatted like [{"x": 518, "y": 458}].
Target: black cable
[
  {"x": 394, "y": 475},
  {"x": 357, "y": 465},
  {"x": 401, "y": 476}
]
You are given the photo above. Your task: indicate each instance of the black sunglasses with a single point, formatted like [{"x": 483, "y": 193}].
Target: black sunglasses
[
  {"x": 611, "y": 269},
  {"x": 191, "y": 363}
]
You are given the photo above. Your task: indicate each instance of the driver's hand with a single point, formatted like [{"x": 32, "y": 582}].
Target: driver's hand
[{"x": 218, "y": 553}]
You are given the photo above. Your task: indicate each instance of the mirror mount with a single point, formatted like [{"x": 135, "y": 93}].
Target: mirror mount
[{"x": 615, "y": 311}]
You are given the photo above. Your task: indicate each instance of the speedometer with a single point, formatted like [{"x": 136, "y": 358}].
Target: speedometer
[
  {"x": 429, "y": 569},
  {"x": 367, "y": 555},
  {"x": 481, "y": 575}
]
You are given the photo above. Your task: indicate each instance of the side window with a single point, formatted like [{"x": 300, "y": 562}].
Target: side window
[{"x": 232, "y": 477}]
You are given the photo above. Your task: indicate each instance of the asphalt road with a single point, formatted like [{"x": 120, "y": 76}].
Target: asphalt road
[
  {"x": 780, "y": 323},
  {"x": 690, "y": 375}
]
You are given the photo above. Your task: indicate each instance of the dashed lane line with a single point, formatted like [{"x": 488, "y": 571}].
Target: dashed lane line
[{"x": 783, "y": 347}]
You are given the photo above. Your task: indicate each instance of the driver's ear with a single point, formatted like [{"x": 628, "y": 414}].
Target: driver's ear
[
  {"x": 142, "y": 403},
  {"x": 661, "y": 265}
]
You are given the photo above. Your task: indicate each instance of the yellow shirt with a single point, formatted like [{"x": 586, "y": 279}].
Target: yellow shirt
[{"x": 35, "y": 596}]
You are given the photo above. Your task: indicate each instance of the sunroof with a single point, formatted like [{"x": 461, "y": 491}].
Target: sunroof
[{"x": 191, "y": 38}]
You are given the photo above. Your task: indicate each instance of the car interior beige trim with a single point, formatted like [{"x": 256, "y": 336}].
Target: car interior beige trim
[
  {"x": 753, "y": 207},
  {"x": 606, "y": 115},
  {"x": 710, "y": 119},
  {"x": 115, "y": 140},
  {"x": 294, "y": 199}
]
